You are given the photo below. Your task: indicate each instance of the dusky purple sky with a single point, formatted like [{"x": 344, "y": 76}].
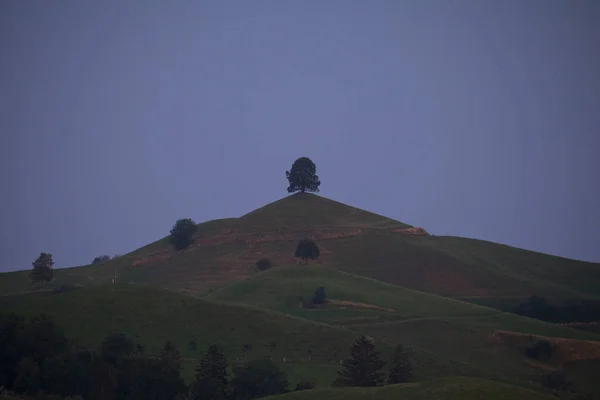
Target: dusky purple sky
[{"x": 472, "y": 118}]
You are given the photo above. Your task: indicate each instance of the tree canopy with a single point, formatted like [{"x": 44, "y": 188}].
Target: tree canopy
[
  {"x": 42, "y": 268},
  {"x": 307, "y": 249},
  {"x": 303, "y": 176},
  {"x": 182, "y": 233},
  {"x": 363, "y": 368}
]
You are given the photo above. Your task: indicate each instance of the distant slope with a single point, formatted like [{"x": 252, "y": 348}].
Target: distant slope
[
  {"x": 458, "y": 388},
  {"x": 350, "y": 239},
  {"x": 445, "y": 336},
  {"x": 150, "y": 316},
  {"x": 279, "y": 289}
]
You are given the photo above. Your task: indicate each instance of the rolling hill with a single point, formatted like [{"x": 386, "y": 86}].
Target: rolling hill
[
  {"x": 352, "y": 240},
  {"x": 443, "y": 389}
]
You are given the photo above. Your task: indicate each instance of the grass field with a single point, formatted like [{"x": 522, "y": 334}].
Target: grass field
[
  {"x": 457, "y": 388},
  {"x": 351, "y": 240},
  {"x": 150, "y": 316}
]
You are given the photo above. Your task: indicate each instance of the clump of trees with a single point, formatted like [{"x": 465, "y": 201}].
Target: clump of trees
[
  {"x": 364, "y": 368},
  {"x": 264, "y": 264},
  {"x": 36, "y": 359},
  {"x": 573, "y": 311},
  {"x": 182, "y": 233},
  {"x": 303, "y": 177},
  {"x": 307, "y": 249},
  {"x": 42, "y": 268}
]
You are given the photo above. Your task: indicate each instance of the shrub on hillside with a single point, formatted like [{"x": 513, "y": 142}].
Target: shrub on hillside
[
  {"x": 101, "y": 259},
  {"x": 65, "y": 288},
  {"x": 320, "y": 296},
  {"x": 257, "y": 378},
  {"x": 307, "y": 249},
  {"x": 541, "y": 350},
  {"x": 556, "y": 380},
  {"x": 264, "y": 264},
  {"x": 182, "y": 233},
  {"x": 304, "y": 385},
  {"x": 303, "y": 176}
]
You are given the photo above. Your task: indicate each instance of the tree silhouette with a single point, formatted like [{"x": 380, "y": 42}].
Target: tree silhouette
[
  {"x": 42, "y": 268},
  {"x": 400, "y": 367},
  {"x": 307, "y": 249},
  {"x": 272, "y": 346},
  {"x": 211, "y": 376},
  {"x": 246, "y": 348},
  {"x": 182, "y": 233},
  {"x": 303, "y": 176},
  {"x": 363, "y": 368}
]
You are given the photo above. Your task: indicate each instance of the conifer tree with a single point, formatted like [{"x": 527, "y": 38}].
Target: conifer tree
[
  {"x": 363, "y": 368},
  {"x": 211, "y": 376}
]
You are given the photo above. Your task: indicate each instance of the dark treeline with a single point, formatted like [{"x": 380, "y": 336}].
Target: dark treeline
[
  {"x": 567, "y": 312},
  {"x": 38, "y": 361}
]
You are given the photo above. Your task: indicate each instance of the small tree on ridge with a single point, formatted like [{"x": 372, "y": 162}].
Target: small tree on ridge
[
  {"x": 302, "y": 177},
  {"x": 182, "y": 233},
  {"x": 42, "y": 268}
]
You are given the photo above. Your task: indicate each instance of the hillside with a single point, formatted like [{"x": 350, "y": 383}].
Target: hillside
[
  {"x": 443, "y": 389},
  {"x": 150, "y": 316},
  {"x": 351, "y": 240},
  {"x": 445, "y": 336}
]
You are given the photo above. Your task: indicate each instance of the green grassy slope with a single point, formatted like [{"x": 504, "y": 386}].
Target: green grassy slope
[
  {"x": 279, "y": 289},
  {"x": 445, "y": 337},
  {"x": 445, "y": 389},
  {"x": 352, "y": 240},
  {"x": 150, "y": 316}
]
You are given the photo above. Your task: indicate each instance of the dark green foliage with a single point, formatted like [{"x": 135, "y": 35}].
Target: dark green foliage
[
  {"x": 211, "y": 376},
  {"x": 245, "y": 349},
  {"x": 65, "y": 288},
  {"x": 115, "y": 347},
  {"x": 36, "y": 359},
  {"x": 304, "y": 385},
  {"x": 307, "y": 249},
  {"x": 541, "y": 350},
  {"x": 101, "y": 259},
  {"x": 363, "y": 368},
  {"x": 555, "y": 380},
  {"x": 257, "y": 378},
  {"x": 182, "y": 233},
  {"x": 264, "y": 264},
  {"x": 320, "y": 296},
  {"x": 571, "y": 311},
  {"x": 42, "y": 268},
  {"x": 400, "y": 366},
  {"x": 303, "y": 176},
  {"x": 170, "y": 356}
]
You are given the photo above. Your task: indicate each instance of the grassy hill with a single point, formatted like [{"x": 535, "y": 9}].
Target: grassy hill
[
  {"x": 445, "y": 336},
  {"x": 457, "y": 388},
  {"x": 351, "y": 240},
  {"x": 151, "y": 315}
]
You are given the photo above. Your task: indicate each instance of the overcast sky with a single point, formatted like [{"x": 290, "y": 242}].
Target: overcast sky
[{"x": 470, "y": 118}]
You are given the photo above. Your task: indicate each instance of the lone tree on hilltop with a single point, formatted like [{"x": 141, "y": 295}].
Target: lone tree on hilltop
[
  {"x": 303, "y": 176},
  {"x": 182, "y": 233},
  {"x": 42, "y": 268},
  {"x": 400, "y": 366},
  {"x": 307, "y": 249},
  {"x": 363, "y": 368}
]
